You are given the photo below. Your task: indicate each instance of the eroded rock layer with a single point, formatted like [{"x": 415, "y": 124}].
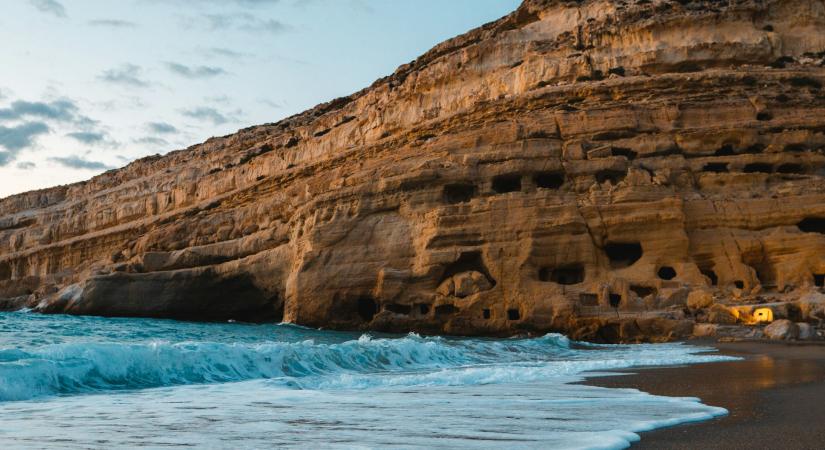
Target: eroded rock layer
[{"x": 575, "y": 166}]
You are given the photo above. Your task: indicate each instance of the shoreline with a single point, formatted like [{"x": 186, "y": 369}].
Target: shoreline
[{"x": 773, "y": 396}]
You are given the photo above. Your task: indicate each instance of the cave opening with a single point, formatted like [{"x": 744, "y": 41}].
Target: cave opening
[
  {"x": 567, "y": 274},
  {"x": 764, "y": 116},
  {"x": 757, "y": 168},
  {"x": 755, "y": 149},
  {"x": 791, "y": 168},
  {"x": 503, "y": 184},
  {"x": 796, "y": 148},
  {"x": 459, "y": 193},
  {"x": 513, "y": 314},
  {"x": 423, "y": 309},
  {"x": 643, "y": 291},
  {"x": 739, "y": 284},
  {"x": 819, "y": 279},
  {"x": 626, "y": 152},
  {"x": 468, "y": 261},
  {"x": 445, "y": 310},
  {"x": 5, "y": 271},
  {"x": 714, "y": 280},
  {"x": 666, "y": 273},
  {"x": 549, "y": 180},
  {"x": 366, "y": 308},
  {"x": 812, "y": 225},
  {"x": 725, "y": 150},
  {"x": 614, "y": 176},
  {"x": 397, "y": 308},
  {"x": 623, "y": 254},
  {"x": 486, "y": 313},
  {"x": 615, "y": 300},
  {"x": 717, "y": 167}
]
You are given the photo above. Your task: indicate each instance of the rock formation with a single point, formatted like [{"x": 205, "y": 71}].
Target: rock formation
[{"x": 577, "y": 166}]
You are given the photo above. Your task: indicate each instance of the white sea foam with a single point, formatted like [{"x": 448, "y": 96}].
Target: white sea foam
[{"x": 68, "y": 382}]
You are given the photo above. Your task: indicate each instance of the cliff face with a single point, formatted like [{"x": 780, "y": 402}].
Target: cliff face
[{"x": 530, "y": 175}]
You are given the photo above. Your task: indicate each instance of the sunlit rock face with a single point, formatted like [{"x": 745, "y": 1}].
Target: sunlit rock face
[{"x": 575, "y": 166}]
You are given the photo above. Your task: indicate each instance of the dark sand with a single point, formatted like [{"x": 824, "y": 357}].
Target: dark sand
[{"x": 775, "y": 398}]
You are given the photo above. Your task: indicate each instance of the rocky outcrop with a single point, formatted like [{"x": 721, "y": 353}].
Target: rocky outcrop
[{"x": 574, "y": 166}]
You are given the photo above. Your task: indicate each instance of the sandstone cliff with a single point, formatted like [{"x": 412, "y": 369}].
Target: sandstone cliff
[{"x": 574, "y": 166}]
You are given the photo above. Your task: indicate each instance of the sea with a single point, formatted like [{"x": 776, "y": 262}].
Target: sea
[{"x": 88, "y": 382}]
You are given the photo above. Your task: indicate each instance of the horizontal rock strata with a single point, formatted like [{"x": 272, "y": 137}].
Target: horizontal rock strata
[{"x": 574, "y": 166}]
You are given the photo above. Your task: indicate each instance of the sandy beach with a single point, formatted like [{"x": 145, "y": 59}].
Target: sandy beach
[{"x": 774, "y": 397}]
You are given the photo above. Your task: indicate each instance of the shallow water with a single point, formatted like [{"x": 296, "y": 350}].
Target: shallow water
[{"x": 86, "y": 382}]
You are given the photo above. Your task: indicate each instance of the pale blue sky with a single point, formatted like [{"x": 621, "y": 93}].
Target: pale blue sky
[{"x": 88, "y": 85}]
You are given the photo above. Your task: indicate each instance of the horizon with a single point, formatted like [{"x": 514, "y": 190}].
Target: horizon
[{"x": 96, "y": 86}]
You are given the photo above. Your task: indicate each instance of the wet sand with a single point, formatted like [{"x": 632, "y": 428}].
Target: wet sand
[{"x": 775, "y": 398}]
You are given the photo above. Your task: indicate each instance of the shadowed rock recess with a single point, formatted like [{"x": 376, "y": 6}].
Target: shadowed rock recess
[{"x": 580, "y": 167}]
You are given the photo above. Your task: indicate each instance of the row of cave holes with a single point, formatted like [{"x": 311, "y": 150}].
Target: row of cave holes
[
  {"x": 786, "y": 168},
  {"x": 367, "y": 308},
  {"x": 502, "y": 184}
]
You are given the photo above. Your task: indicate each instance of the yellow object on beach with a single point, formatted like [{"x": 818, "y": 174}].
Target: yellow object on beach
[{"x": 763, "y": 315}]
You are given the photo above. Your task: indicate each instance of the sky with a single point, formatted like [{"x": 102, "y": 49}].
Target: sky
[{"x": 90, "y": 85}]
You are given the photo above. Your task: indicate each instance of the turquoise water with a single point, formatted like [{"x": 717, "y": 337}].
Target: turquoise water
[{"x": 87, "y": 382}]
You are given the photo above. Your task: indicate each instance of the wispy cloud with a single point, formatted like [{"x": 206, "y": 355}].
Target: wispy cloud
[
  {"x": 26, "y": 165},
  {"x": 151, "y": 140},
  {"x": 61, "y": 110},
  {"x": 16, "y": 138},
  {"x": 241, "y": 21},
  {"x": 49, "y": 7},
  {"x": 112, "y": 23},
  {"x": 126, "y": 74},
  {"x": 161, "y": 128},
  {"x": 88, "y": 137},
  {"x": 195, "y": 72},
  {"x": 79, "y": 162},
  {"x": 209, "y": 114},
  {"x": 271, "y": 103},
  {"x": 221, "y": 52}
]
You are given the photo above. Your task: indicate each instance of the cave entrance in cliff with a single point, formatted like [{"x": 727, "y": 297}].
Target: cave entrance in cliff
[
  {"x": 5, "y": 271},
  {"x": 503, "y": 184},
  {"x": 812, "y": 225},
  {"x": 643, "y": 291},
  {"x": 442, "y": 311},
  {"x": 725, "y": 150},
  {"x": 626, "y": 152},
  {"x": 397, "y": 308},
  {"x": 366, "y": 308},
  {"x": 549, "y": 180},
  {"x": 613, "y": 176},
  {"x": 623, "y": 254},
  {"x": 666, "y": 273},
  {"x": 714, "y": 280},
  {"x": 819, "y": 279},
  {"x": 757, "y": 168},
  {"x": 567, "y": 274},
  {"x": 615, "y": 300},
  {"x": 513, "y": 314},
  {"x": 468, "y": 261},
  {"x": 717, "y": 167},
  {"x": 459, "y": 193},
  {"x": 791, "y": 168}
]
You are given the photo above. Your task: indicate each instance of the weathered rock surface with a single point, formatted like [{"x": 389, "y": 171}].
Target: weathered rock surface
[
  {"x": 574, "y": 166},
  {"x": 782, "y": 330}
]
